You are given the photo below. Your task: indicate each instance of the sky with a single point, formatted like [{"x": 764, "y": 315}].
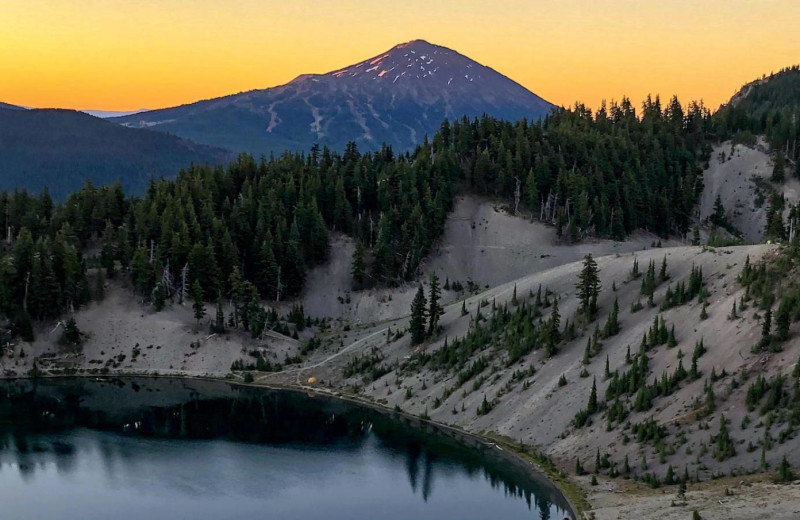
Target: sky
[{"x": 131, "y": 54}]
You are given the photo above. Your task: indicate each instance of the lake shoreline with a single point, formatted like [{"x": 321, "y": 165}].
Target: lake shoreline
[{"x": 552, "y": 477}]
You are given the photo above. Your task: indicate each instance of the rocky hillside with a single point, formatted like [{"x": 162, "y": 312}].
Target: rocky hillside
[{"x": 396, "y": 98}]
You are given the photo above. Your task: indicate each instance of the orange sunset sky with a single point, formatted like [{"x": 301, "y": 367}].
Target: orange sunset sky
[{"x": 129, "y": 54}]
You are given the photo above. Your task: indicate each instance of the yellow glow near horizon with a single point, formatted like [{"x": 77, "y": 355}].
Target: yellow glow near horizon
[{"x": 129, "y": 54}]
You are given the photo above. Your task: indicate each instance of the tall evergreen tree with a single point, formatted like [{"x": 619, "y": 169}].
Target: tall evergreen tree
[
  {"x": 434, "y": 308},
  {"x": 588, "y": 286},
  {"x": 417, "y": 323},
  {"x": 358, "y": 268},
  {"x": 198, "y": 307}
]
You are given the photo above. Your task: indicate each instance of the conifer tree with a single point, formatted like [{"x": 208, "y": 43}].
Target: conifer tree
[
  {"x": 782, "y": 320},
  {"x": 784, "y": 472},
  {"x": 766, "y": 329},
  {"x": 592, "y": 406},
  {"x": 778, "y": 169},
  {"x": 358, "y": 267},
  {"x": 417, "y": 324},
  {"x": 723, "y": 444},
  {"x": 635, "y": 269},
  {"x": 99, "y": 286},
  {"x": 198, "y": 307},
  {"x": 219, "y": 319},
  {"x": 612, "y": 324},
  {"x": 159, "y": 297},
  {"x": 588, "y": 286},
  {"x": 434, "y": 308},
  {"x": 649, "y": 282},
  {"x": 72, "y": 334},
  {"x": 267, "y": 272},
  {"x": 553, "y": 331}
]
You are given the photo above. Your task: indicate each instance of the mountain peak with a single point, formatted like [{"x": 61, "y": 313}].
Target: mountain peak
[
  {"x": 414, "y": 60},
  {"x": 419, "y": 43},
  {"x": 395, "y": 97}
]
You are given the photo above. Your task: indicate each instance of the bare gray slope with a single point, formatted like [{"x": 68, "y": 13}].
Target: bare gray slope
[
  {"x": 734, "y": 175},
  {"x": 542, "y": 413},
  {"x": 482, "y": 243}
]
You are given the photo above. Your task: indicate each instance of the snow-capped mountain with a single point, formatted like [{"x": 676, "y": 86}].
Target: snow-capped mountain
[{"x": 396, "y": 98}]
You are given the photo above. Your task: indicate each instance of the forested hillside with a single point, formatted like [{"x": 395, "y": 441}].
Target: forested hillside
[
  {"x": 769, "y": 106},
  {"x": 250, "y": 230},
  {"x": 267, "y": 221}
]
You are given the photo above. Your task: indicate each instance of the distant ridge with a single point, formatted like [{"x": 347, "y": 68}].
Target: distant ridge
[
  {"x": 62, "y": 149},
  {"x": 6, "y": 106}
]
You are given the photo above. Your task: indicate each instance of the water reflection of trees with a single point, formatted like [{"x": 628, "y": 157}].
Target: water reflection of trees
[{"x": 155, "y": 409}]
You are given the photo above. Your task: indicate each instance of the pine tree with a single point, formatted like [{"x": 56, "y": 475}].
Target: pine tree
[
  {"x": 219, "y": 320},
  {"x": 588, "y": 286},
  {"x": 72, "y": 334},
  {"x": 663, "y": 275},
  {"x": 784, "y": 472},
  {"x": 434, "y": 308},
  {"x": 99, "y": 286},
  {"x": 293, "y": 269},
  {"x": 587, "y": 352},
  {"x": 592, "y": 406},
  {"x": 778, "y": 170},
  {"x": 417, "y": 324},
  {"x": 766, "y": 329},
  {"x": 553, "y": 330},
  {"x": 531, "y": 192},
  {"x": 267, "y": 272},
  {"x": 635, "y": 269},
  {"x": 159, "y": 297},
  {"x": 612, "y": 324},
  {"x": 681, "y": 495},
  {"x": 724, "y": 444},
  {"x": 649, "y": 282},
  {"x": 198, "y": 307},
  {"x": 358, "y": 268},
  {"x": 783, "y": 320},
  {"x": 669, "y": 479},
  {"x": 718, "y": 216}
]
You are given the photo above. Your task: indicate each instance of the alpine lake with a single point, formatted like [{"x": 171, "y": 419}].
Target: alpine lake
[{"x": 181, "y": 449}]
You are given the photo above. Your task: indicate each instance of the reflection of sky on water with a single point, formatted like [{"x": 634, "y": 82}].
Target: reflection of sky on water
[{"x": 85, "y": 474}]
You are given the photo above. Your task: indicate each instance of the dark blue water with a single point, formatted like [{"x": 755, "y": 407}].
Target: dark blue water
[{"x": 175, "y": 449}]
